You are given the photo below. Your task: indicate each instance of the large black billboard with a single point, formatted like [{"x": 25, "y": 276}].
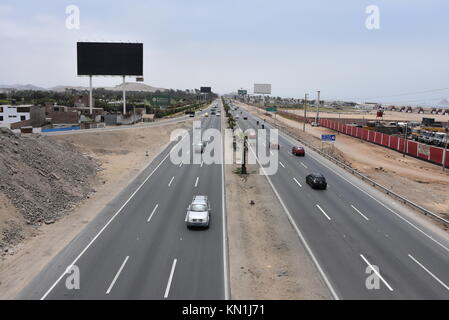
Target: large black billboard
[
  {"x": 205, "y": 89},
  {"x": 110, "y": 59}
]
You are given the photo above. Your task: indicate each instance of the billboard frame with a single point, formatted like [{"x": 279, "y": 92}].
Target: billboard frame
[{"x": 108, "y": 75}]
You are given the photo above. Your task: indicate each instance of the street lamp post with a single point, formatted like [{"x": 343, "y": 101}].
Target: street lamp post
[{"x": 305, "y": 112}]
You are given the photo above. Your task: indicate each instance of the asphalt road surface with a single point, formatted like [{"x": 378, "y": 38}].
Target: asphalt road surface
[
  {"x": 139, "y": 247},
  {"x": 351, "y": 229}
]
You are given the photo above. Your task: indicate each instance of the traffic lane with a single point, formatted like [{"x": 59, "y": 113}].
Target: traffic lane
[
  {"x": 162, "y": 239},
  {"x": 172, "y": 221},
  {"x": 344, "y": 185},
  {"x": 379, "y": 249},
  {"x": 430, "y": 294},
  {"x": 407, "y": 239},
  {"x": 120, "y": 239},
  {"x": 336, "y": 249},
  {"x": 199, "y": 272},
  {"x": 404, "y": 243},
  {"x": 135, "y": 206}
]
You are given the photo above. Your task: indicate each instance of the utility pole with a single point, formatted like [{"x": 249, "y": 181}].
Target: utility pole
[
  {"x": 406, "y": 140},
  {"x": 305, "y": 112},
  {"x": 317, "y": 107},
  {"x": 445, "y": 149}
]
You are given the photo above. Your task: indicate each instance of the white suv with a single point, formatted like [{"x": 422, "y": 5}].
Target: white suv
[{"x": 198, "y": 213}]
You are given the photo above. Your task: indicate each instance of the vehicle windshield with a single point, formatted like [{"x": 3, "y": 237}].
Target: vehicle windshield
[{"x": 198, "y": 207}]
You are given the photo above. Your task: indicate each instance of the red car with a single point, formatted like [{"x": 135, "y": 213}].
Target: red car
[{"x": 298, "y": 151}]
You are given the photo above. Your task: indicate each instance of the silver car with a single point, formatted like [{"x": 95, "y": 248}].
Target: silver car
[{"x": 198, "y": 213}]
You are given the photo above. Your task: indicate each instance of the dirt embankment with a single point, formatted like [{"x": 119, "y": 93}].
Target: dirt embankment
[
  {"x": 120, "y": 155},
  {"x": 419, "y": 181},
  {"x": 267, "y": 259},
  {"x": 40, "y": 178}
]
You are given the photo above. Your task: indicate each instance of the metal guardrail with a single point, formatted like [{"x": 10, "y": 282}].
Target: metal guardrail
[{"x": 372, "y": 182}]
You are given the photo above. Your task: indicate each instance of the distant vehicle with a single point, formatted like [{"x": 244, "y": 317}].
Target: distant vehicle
[
  {"x": 316, "y": 181},
  {"x": 198, "y": 213},
  {"x": 275, "y": 146},
  {"x": 245, "y": 118},
  {"x": 298, "y": 151},
  {"x": 199, "y": 147},
  {"x": 237, "y": 117},
  {"x": 206, "y": 114},
  {"x": 218, "y": 114},
  {"x": 315, "y": 124},
  {"x": 213, "y": 112}
]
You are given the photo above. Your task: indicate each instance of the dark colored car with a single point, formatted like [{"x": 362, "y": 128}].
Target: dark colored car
[
  {"x": 245, "y": 118},
  {"x": 316, "y": 181},
  {"x": 298, "y": 151}
]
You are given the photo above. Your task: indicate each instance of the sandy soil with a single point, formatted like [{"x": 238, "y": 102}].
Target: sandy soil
[
  {"x": 426, "y": 184},
  {"x": 123, "y": 155},
  {"x": 371, "y": 115},
  {"x": 267, "y": 259}
]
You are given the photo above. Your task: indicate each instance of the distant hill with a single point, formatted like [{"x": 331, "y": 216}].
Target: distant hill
[
  {"x": 64, "y": 88},
  {"x": 444, "y": 103},
  {"x": 135, "y": 86},
  {"x": 22, "y": 87}
]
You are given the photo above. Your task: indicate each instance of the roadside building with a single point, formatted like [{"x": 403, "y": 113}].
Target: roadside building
[{"x": 13, "y": 113}]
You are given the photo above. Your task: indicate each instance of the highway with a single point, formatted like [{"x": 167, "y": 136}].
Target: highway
[
  {"x": 351, "y": 227},
  {"x": 138, "y": 247}
]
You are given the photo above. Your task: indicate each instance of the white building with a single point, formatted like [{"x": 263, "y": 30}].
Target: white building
[{"x": 12, "y": 113}]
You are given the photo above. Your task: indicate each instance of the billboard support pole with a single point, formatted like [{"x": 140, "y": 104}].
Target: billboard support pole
[
  {"x": 124, "y": 96},
  {"x": 90, "y": 95}
]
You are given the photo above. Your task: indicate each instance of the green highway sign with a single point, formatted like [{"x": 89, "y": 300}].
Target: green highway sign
[
  {"x": 160, "y": 101},
  {"x": 271, "y": 109},
  {"x": 242, "y": 92}
]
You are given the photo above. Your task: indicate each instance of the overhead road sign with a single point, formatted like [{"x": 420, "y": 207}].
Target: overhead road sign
[
  {"x": 328, "y": 137},
  {"x": 205, "y": 89},
  {"x": 242, "y": 92},
  {"x": 160, "y": 100},
  {"x": 262, "y": 88},
  {"x": 271, "y": 109}
]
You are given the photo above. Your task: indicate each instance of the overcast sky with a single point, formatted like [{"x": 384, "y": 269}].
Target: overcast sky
[{"x": 298, "y": 46}]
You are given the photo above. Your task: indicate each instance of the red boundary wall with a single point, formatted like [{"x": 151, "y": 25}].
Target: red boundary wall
[{"x": 413, "y": 148}]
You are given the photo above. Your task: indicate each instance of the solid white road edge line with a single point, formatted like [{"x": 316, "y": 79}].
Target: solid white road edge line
[
  {"x": 377, "y": 273},
  {"x": 430, "y": 273},
  {"x": 298, "y": 232},
  {"x": 107, "y": 224},
  {"x": 167, "y": 290},
  {"x": 117, "y": 275}
]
